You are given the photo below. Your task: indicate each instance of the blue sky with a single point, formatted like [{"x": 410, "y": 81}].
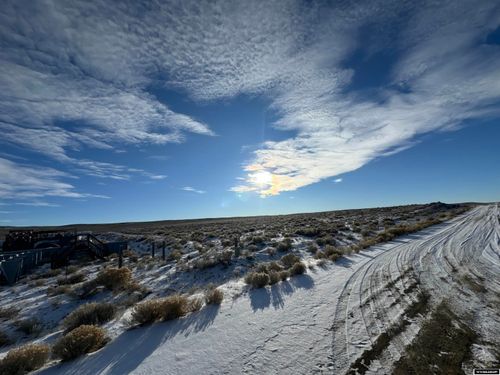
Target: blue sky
[{"x": 128, "y": 111}]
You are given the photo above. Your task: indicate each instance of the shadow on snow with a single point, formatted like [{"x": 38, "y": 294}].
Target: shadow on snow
[
  {"x": 262, "y": 298},
  {"x": 127, "y": 351}
]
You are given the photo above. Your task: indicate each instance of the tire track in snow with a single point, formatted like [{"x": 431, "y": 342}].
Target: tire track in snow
[{"x": 357, "y": 324}]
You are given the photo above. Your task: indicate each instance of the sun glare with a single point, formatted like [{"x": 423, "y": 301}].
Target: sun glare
[{"x": 262, "y": 178}]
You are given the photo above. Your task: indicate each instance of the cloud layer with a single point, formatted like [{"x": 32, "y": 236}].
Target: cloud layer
[
  {"x": 25, "y": 182},
  {"x": 95, "y": 62}
]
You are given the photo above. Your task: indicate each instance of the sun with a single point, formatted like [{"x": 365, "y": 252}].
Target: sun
[{"x": 262, "y": 178}]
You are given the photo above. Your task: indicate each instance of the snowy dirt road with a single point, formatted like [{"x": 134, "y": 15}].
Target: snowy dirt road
[{"x": 323, "y": 321}]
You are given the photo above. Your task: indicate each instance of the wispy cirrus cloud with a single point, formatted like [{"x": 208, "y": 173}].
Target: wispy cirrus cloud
[
  {"x": 94, "y": 62},
  {"x": 21, "y": 181},
  {"x": 192, "y": 189},
  {"x": 58, "y": 69}
]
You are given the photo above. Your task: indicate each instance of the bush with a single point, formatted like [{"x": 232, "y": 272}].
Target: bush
[
  {"x": 274, "y": 277},
  {"x": 89, "y": 314},
  {"x": 29, "y": 326},
  {"x": 262, "y": 268},
  {"x": 257, "y": 279},
  {"x": 7, "y": 313},
  {"x": 289, "y": 260},
  {"x": 195, "y": 304},
  {"x": 285, "y": 245},
  {"x": 147, "y": 312},
  {"x": 82, "y": 340},
  {"x": 114, "y": 278},
  {"x": 298, "y": 269},
  {"x": 73, "y": 278},
  {"x": 24, "y": 359},
  {"x": 4, "y": 339},
  {"x": 71, "y": 269},
  {"x": 312, "y": 248},
  {"x": 274, "y": 266},
  {"x": 57, "y": 290},
  {"x": 174, "y": 307},
  {"x": 214, "y": 296},
  {"x": 284, "y": 275}
]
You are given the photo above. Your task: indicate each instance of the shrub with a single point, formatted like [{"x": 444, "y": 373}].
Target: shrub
[
  {"x": 285, "y": 245},
  {"x": 274, "y": 277},
  {"x": 4, "y": 339},
  {"x": 71, "y": 269},
  {"x": 114, "y": 278},
  {"x": 257, "y": 279},
  {"x": 89, "y": 314},
  {"x": 25, "y": 359},
  {"x": 298, "y": 269},
  {"x": 57, "y": 290},
  {"x": 308, "y": 232},
  {"x": 274, "y": 266},
  {"x": 29, "y": 326},
  {"x": 195, "y": 304},
  {"x": 284, "y": 275},
  {"x": 7, "y": 313},
  {"x": 74, "y": 278},
  {"x": 289, "y": 260},
  {"x": 82, "y": 340},
  {"x": 173, "y": 307},
  {"x": 262, "y": 268},
  {"x": 334, "y": 257},
  {"x": 312, "y": 248},
  {"x": 147, "y": 312},
  {"x": 214, "y": 296},
  {"x": 322, "y": 263}
]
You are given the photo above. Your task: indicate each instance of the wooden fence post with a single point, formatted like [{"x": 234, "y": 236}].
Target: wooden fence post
[
  {"x": 163, "y": 251},
  {"x": 153, "y": 250}
]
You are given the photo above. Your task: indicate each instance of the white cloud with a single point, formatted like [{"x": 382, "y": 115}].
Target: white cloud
[
  {"x": 37, "y": 204},
  {"x": 93, "y": 62},
  {"x": 338, "y": 180},
  {"x": 20, "y": 181},
  {"x": 157, "y": 176},
  {"x": 191, "y": 189}
]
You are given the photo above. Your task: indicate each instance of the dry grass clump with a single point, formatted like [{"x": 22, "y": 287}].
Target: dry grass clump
[
  {"x": 173, "y": 307},
  {"x": 257, "y": 279},
  {"x": 114, "y": 278},
  {"x": 89, "y": 314},
  {"x": 169, "y": 308},
  {"x": 285, "y": 245},
  {"x": 60, "y": 289},
  {"x": 274, "y": 277},
  {"x": 24, "y": 359},
  {"x": 30, "y": 326},
  {"x": 73, "y": 278},
  {"x": 195, "y": 304},
  {"x": 284, "y": 275},
  {"x": 47, "y": 274},
  {"x": 146, "y": 312},
  {"x": 289, "y": 260},
  {"x": 4, "y": 339},
  {"x": 214, "y": 296},
  {"x": 82, "y": 340},
  {"x": 298, "y": 269},
  {"x": 7, "y": 313}
]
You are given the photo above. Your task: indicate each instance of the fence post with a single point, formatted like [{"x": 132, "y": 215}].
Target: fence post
[
  {"x": 120, "y": 258},
  {"x": 153, "y": 250},
  {"x": 163, "y": 251}
]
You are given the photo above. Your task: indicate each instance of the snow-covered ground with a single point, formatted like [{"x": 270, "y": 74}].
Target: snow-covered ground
[{"x": 321, "y": 322}]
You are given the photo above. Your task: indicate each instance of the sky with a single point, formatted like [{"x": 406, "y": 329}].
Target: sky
[{"x": 135, "y": 111}]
